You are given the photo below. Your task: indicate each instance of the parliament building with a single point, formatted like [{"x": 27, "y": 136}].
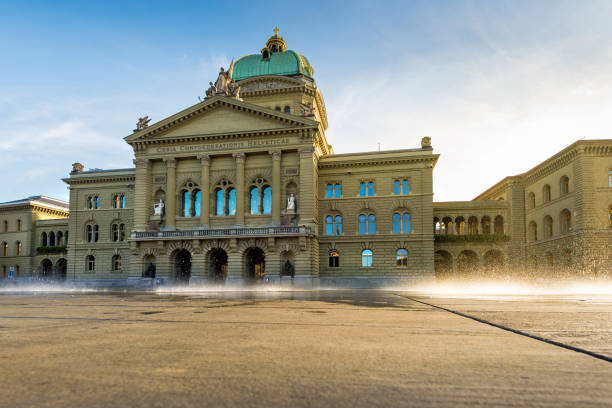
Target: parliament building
[{"x": 244, "y": 187}]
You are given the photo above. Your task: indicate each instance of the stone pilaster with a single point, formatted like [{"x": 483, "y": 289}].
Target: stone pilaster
[
  {"x": 170, "y": 193},
  {"x": 516, "y": 223},
  {"x": 307, "y": 199},
  {"x": 276, "y": 186},
  {"x": 205, "y": 191},
  {"x": 240, "y": 159},
  {"x": 141, "y": 194}
]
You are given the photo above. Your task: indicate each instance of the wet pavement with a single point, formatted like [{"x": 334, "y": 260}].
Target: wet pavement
[{"x": 302, "y": 349}]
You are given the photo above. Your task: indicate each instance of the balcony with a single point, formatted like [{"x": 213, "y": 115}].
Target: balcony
[{"x": 222, "y": 233}]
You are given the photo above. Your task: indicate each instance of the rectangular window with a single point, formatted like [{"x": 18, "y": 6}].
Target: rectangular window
[
  {"x": 370, "y": 189},
  {"x": 362, "y": 189},
  {"x": 396, "y": 187},
  {"x": 610, "y": 178},
  {"x": 337, "y": 190},
  {"x": 330, "y": 191}
]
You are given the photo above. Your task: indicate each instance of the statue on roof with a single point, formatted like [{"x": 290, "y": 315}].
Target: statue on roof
[
  {"x": 225, "y": 84},
  {"x": 211, "y": 91},
  {"x": 143, "y": 123}
]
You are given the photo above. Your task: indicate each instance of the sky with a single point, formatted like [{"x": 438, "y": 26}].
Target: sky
[{"x": 499, "y": 86}]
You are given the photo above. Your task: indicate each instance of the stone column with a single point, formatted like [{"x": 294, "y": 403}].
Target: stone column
[
  {"x": 240, "y": 159},
  {"x": 170, "y": 193},
  {"x": 205, "y": 193},
  {"x": 276, "y": 186},
  {"x": 141, "y": 195}
]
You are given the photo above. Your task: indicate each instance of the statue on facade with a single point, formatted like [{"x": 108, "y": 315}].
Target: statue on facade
[
  {"x": 426, "y": 142},
  {"x": 158, "y": 208},
  {"x": 307, "y": 109},
  {"x": 233, "y": 89},
  {"x": 143, "y": 123},
  {"x": 211, "y": 91},
  {"x": 76, "y": 167},
  {"x": 291, "y": 203},
  {"x": 225, "y": 84}
]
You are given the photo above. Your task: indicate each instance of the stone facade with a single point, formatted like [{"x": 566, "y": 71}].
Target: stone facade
[{"x": 247, "y": 189}]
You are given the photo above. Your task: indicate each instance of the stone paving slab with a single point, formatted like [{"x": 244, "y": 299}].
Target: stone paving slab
[{"x": 340, "y": 349}]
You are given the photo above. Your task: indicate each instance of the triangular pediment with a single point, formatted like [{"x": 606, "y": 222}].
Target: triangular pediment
[{"x": 220, "y": 115}]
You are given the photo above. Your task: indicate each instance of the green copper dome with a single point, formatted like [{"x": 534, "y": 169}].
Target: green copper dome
[{"x": 278, "y": 63}]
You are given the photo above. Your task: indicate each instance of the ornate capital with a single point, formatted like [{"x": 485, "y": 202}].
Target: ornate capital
[
  {"x": 276, "y": 154},
  {"x": 204, "y": 159},
  {"x": 141, "y": 163},
  {"x": 170, "y": 162},
  {"x": 239, "y": 157}
]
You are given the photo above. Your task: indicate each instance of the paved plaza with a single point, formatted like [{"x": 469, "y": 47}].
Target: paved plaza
[{"x": 303, "y": 349}]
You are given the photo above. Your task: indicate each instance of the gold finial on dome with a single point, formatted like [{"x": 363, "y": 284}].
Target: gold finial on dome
[{"x": 275, "y": 44}]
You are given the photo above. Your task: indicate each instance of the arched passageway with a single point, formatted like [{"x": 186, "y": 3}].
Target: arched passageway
[
  {"x": 493, "y": 260},
  {"x": 443, "y": 264},
  {"x": 182, "y": 266},
  {"x": 255, "y": 262},
  {"x": 467, "y": 262},
  {"x": 218, "y": 265},
  {"x": 46, "y": 269},
  {"x": 61, "y": 268}
]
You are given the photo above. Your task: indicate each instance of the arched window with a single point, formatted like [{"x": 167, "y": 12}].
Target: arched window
[
  {"x": 472, "y": 225},
  {"x": 4, "y": 249},
  {"x": 5, "y": 226},
  {"x": 287, "y": 109},
  {"x": 197, "y": 203},
  {"x": 546, "y": 193},
  {"x": 486, "y": 224},
  {"x": 116, "y": 262},
  {"x": 460, "y": 225},
  {"x": 220, "y": 202},
  {"x": 231, "y": 201},
  {"x": 498, "y": 226},
  {"x": 260, "y": 196},
  {"x": 406, "y": 227},
  {"x": 565, "y": 221},
  {"x": 564, "y": 185},
  {"x": 333, "y": 225},
  {"x": 18, "y": 247},
  {"x": 186, "y": 203},
  {"x": 371, "y": 224},
  {"x": 91, "y": 263},
  {"x": 548, "y": 226},
  {"x": 401, "y": 223},
  {"x": 334, "y": 259},
  {"x": 401, "y": 257},
  {"x": 255, "y": 200},
  {"x": 366, "y": 258},
  {"x": 363, "y": 224},
  {"x": 533, "y": 231},
  {"x": 60, "y": 238},
  {"x": 52, "y": 239},
  {"x": 367, "y": 224},
  {"x": 397, "y": 223},
  {"x": 118, "y": 232},
  {"x": 43, "y": 239},
  {"x": 531, "y": 200},
  {"x": 267, "y": 200},
  {"x": 18, "y": 225}
]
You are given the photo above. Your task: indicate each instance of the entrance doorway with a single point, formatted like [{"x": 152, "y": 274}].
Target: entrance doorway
[
  {"x": 46, "y": 269},
  {"x": 255, "y": 261},
  {"x": 61, "y": 267},
  {"x": 182, "y": 266},
  {"x": 218, "y": 265}
]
